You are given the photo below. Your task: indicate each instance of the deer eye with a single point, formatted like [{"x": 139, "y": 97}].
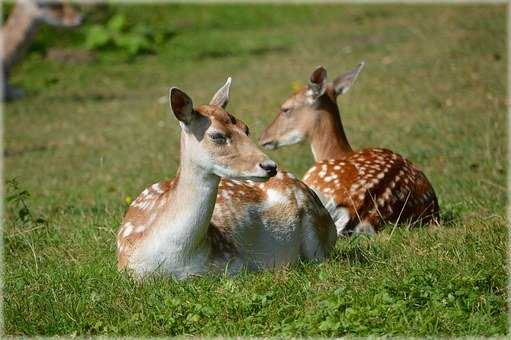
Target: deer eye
[
  {"x": 247, "y": 131},
  {"x": 218, "y": 138},
  {"x": 285, "y": 110}
]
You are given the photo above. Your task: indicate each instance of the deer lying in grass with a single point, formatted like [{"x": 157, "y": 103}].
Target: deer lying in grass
[
  {"x": 361, "y": 189},
  {"x": 22, "y": 25},
  {"x": 174, "y": 227}
]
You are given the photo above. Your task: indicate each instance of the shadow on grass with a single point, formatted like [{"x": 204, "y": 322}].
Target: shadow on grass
[
  {"x": 357, "y": 249},
  {"x": 450, "y": 217},
  {"x": 90, "y": 97},
  {"x": 258, "y": 51},
  {"x": 9, "y": 152},
  {"x": 366, "y": 249}
]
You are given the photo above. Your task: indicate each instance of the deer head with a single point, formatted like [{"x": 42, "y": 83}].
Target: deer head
[
  {"x": 214, "y": 140},
  {"x": 53, "y": 12},
  {"x": 303, "y": 113}
]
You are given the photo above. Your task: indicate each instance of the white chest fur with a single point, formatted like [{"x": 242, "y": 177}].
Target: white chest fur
[{"x": 177, "y": 243}]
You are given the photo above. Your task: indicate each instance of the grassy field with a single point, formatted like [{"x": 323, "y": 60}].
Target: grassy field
[{"x": 90, "y": 135}]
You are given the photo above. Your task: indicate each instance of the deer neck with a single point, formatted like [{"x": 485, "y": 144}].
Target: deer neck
[
  {"x": 328, "y": 140},
  {"x": 17, "y": 33},
  {"x": 190, "y": 208}
]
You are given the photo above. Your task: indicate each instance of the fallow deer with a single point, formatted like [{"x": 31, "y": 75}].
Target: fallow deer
[
  {"x": 21, "y": 26},
  {"x": 175, "y": 228},
  {"x": 362, "y": 189}
]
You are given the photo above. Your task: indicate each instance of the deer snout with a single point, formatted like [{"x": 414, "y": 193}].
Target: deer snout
[
  {"x": 73, "y": 22},
  {"x": 267, "y": 142},
  {"x": 269, "y": 166}
]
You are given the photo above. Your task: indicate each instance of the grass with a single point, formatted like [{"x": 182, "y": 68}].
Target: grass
[{"x": 90, "y": 135}]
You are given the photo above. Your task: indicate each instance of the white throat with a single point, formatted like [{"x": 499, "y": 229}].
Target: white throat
[{"x": 178, "y": 243}]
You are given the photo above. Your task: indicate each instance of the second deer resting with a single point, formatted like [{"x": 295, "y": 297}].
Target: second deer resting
[{"x": 362, "y": 189}]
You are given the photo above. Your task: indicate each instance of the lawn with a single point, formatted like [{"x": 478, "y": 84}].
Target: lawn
[{"x": 90, "y": 135}]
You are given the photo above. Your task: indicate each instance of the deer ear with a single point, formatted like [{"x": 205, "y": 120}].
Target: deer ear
[
  {"x": 343, "y": 83},
  {"x": 221, "y": 97},
  {"x": 317, "y": 82},
  {"x": 181, "y": 105}
]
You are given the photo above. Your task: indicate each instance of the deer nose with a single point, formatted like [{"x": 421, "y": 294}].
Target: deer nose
[
  {"x": 266, "y": 142},
  {"x": 270, "y": 145},
  {"x": 269, "y": 166}
]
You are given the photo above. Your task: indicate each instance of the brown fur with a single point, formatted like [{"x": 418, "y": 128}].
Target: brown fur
[
  {"x": 402, "y": 193},
  {"x": 228, "y": 211},
  {"x": 392, "y": 190},
  {"x": 178, "y": 226}
]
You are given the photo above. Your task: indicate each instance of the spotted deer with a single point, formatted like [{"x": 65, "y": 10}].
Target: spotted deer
[
  {"x": 362, "y": 189},
  {"x": 226, "y": 210},
  {"x": 22, "y": 25}
]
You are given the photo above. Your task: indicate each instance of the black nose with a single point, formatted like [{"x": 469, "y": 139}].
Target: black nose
[{"x": 269, "y": 166}]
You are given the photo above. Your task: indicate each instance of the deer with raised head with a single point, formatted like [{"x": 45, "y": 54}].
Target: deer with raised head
[
  {"x": 21, "y": 26},
  {"x": 227, "y": 209},
  {"x": 362, "y": 189}
]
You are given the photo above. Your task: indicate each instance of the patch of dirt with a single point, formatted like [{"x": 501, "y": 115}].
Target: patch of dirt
[{"x": 70, "y": 55}]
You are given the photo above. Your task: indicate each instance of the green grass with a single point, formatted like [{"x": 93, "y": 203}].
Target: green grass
[{"x": 88, "y": 135}]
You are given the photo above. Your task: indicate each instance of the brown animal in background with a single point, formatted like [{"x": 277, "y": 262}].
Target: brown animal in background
[
  {"x": 362, "y": 189},
  {"x": 22, "y": 25}
]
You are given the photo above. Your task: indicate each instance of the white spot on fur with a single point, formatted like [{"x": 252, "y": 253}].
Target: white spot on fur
[
  {"x": 128, "y": 228},
  {"x": 143, "y": 205},
  {"x": 156, "y": 187},
  {"x": 341, "y": 217},
  {"x": 140, "y": 229},
  {"x": 151, "y": 219},
  {"x": 387, "y": 194},
  {"x": 275, "y": 197}
]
